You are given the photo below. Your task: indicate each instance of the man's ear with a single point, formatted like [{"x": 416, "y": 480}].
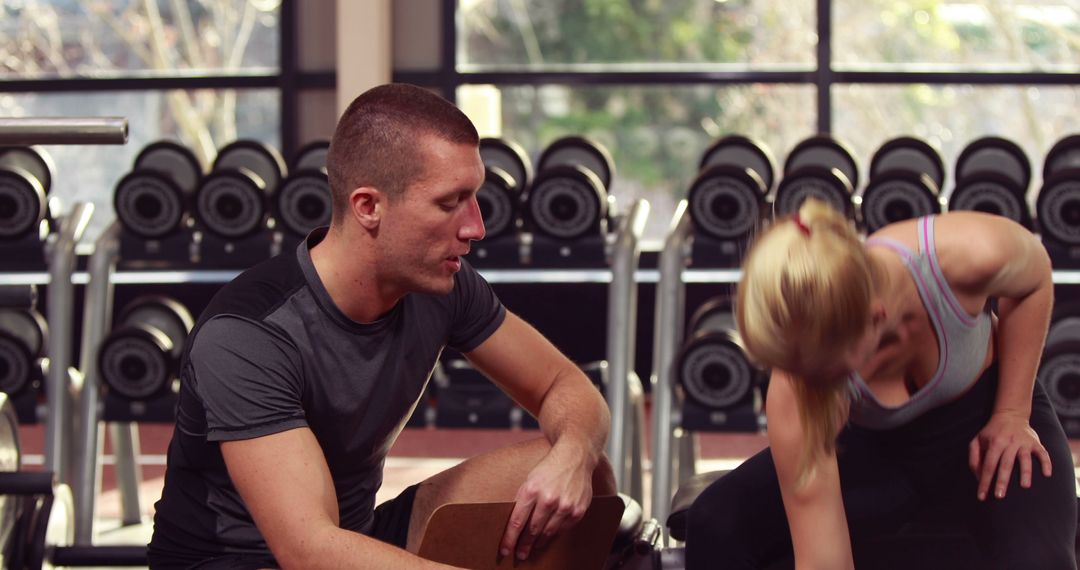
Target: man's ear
[{"x": 366, "y": 206}]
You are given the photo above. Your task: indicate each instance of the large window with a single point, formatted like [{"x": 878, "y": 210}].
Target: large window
[
  {"x": 656, "y": 81},
  {"x": 201, "y": 73}
]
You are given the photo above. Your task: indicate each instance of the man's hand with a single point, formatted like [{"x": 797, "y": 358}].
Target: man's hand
[
  {"x": 553, "y": 498},
  {"x": 1005, "y": 439}
]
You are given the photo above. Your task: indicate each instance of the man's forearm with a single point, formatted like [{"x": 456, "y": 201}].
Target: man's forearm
[
  {"x": 334, "y": 548},
  {"x": 573, "y": 413}
]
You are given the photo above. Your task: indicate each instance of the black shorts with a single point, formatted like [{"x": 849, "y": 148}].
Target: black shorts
[{"x": 391, "y": 525}]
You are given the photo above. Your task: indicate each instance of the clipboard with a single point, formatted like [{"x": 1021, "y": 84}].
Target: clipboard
[{"x": 468, "y": 535}]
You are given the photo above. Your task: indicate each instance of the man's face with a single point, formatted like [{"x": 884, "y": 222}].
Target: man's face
[{"x": 425, "y": 231}]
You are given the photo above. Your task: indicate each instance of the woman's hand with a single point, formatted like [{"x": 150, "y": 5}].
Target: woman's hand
[{"x": 1005, "y": 439}]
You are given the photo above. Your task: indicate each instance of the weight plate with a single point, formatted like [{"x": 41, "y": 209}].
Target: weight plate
[
  {"x": 714, "y": 371},
  {"x": 304, "y": 201},
  {"x": 22, "y": 203},
  {"x": 715, "y": 314},
  {"x": 134, "y": 362},
  {"x": 496, "y": 199},
  {"x": 994, "y": 155},
  {"x": 149, "y": 203},
  {"x": 1059, "y": 374},
  {"x": 566, "y": 202},
  {"x": 264, "y": 160},
  {"x": 175, "y": 161},
  {"x": 311, "y": 156},
  {"x": 16, "y": 364},
  {"x": 727, "y": 202},
  {"x": 33, "y": 159},
  {"x": 908, "y": 154},
  {"x": 991, "y": 193},
  {"x": 28, "y": 326},
  {"x": 1058, "y": 207},
  {"x": 897, "y": 195},
  {"x": 827, "y": 185},
  {"x": 823, "y": 151},
  {"x": 579, "y": 151},
  {"x": 231, "y": 203},
  {"x": 511, "y": 158},
  {"x": 740, "y": 151},
  {"x": 162, "y": 313}
]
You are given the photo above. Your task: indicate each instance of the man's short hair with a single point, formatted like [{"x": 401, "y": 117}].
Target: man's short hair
[{"x": 375, "y": 143}]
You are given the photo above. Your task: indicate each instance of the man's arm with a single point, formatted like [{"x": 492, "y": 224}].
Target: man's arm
[
  {"x": 573, "y": 417},
  {"x": 286, "y": 486}
]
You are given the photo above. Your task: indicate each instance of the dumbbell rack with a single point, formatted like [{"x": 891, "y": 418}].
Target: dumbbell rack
[{"x": 668, "y": 336}]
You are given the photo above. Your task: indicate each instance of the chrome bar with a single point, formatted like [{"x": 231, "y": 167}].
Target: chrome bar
[
  {"x": 666, "y": 338},
  {"x": 60, "y": 298},
  {"x": 86, "y": 483},
  {"x": 622, "y": 322},
  {"x": 20, "y": 131}
]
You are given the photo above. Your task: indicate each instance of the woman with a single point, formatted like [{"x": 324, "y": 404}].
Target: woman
[{"x": 891, "y": 345}]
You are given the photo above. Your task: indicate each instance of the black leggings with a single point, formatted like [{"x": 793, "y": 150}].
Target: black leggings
[{"x": 887, "y": 478}]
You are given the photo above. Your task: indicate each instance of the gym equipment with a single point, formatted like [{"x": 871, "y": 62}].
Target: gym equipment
[
  {"x": 303, "y": 202},
  {"x": 507, "y": 176},
  {"x": 62, "y": 130},
  {"x": 566, "y": 209},
  {"x": 140, "y": 358},
  {"x": 727, "y": 200},
  {"x": 1057, "y": 207},
  {"x": 26, "y": 175},
  {"x": 23, "y": 338},
  {"x": 993, "y": 175},
  {"x": 233, "y": 202},
  {"x": 1059, "y": 369},
  {"x": 719, "y": 384},
  {"x": 152, "y": 201},
  {"x": 906, "y": 175},
  {"x": 822, "y": 167}
]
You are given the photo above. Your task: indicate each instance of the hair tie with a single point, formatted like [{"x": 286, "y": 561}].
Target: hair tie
[{"x": 799, "y": 224}]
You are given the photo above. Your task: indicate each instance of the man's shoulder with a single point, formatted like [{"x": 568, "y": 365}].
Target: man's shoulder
[{"x": 259, "y": 290}]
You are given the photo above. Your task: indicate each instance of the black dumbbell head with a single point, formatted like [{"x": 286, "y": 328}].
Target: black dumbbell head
[
  {"x": 150, "y": 204},
  {"x": 173, "y": 160},
  {"x": 1059, "y": 373},
  {"x": 311, "y": 156},
  {"x": 509, "y": 157},
  {"x": 262, "y": 159},
  {"x": 743, "y": 152},
  {"x": 16, "y": 364},
  {"x": 993, "y": 193},
  {"x": 727, "y": 202},
  {"x": 1064, "y": 155},
  {"x": 994, "y": 155},
  {"x": 304, "y": 202},
  {"x": 715, "y": 314},
  {"x": 1057, "y": 207},
  {"x": 566, "y": 202},
  {"x": 162, "y": 313},
  {"x": 22, "y": 203},
  {"x": 35, "y": 160},
  {"x": 498, "y": 200},
  {"x": 714, "y": 371},
  {"x": 823, "y": 151},
  {"x": 232, "y": 203},
  {"x": 897, "y": 195},
  {"x": 135, "y": 362},
  {"x": 826, "y": 184},
  {"x": 579, "y": 151},
  {"x": 28, "y": 326},
  {"x": 908, "y": 154}
]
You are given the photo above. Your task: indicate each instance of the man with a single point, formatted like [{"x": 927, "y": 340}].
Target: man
[{"x": 301, "y": 372}]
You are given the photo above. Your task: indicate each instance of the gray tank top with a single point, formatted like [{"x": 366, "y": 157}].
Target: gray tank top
[{"x": 962, "y": 340}]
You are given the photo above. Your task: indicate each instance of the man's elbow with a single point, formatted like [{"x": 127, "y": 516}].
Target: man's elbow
[{"x": 303, "y": 548}]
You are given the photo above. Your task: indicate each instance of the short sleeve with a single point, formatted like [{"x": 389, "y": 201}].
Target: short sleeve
[
  {"x": 477, "y": 312},
  {"x": 249, "y": 379}
]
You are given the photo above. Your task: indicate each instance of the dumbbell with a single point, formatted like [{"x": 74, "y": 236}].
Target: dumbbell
[
  {"x": 727, "y": 199},
  {"x": 820, "y": 167},
  {"x": 508, "y": 172},
  {"x": 1057, "y": 207},
  {"x": 993, "y": 175},
  {"x": 715, "y": 374},
  {"x": 26, "y": 175},
  {"x": 232, "y": 201},
  {"x": 23, "y": 337},
  {"x": 152, "y": 200},
  {"x": 1059, "y": 369},
  {"x": 906, "y": 175},
  {"x": 141, "y": 356},
  {"x": 304, "y": 202},
  {"x": 569, "y": 198}
]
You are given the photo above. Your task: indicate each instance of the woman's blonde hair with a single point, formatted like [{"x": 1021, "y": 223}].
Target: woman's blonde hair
[{"x": 803, "y": 301}]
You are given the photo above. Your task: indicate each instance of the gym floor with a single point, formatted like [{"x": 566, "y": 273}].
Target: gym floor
[{"x": 418, "y": 453}]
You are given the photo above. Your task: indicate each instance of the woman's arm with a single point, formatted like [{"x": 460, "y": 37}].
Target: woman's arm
[
  {"x": 990, "y": 256},
  {"x": 814, "y": 506}
]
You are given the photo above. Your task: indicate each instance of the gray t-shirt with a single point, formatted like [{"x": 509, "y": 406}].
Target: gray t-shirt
[{"x": 271, "y": 353}]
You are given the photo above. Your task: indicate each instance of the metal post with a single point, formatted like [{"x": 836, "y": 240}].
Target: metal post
[
  {"x": 668, "y": 334},
  {"x": 125, "y": 443},
  {"x": 60, "y": 252},
  {"x": 622, "y": 320},
  {"x": 96, "y": 312},
  {"x": 19, "y": 131}
]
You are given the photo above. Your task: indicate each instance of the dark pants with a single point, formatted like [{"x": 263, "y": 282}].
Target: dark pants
[
  {"x": 890, "y": 477},
  {"x": 391, "y": 525}
]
